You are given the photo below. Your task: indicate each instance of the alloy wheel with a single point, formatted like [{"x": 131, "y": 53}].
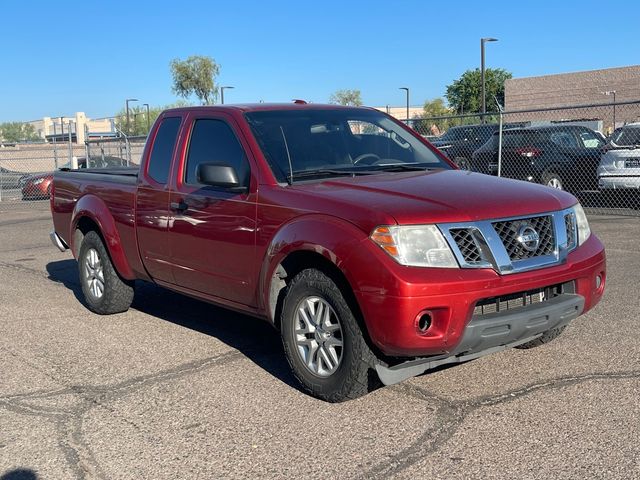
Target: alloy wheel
[
  {"x": 318, "y": 336},
  {"x": 93, "y": 272}
]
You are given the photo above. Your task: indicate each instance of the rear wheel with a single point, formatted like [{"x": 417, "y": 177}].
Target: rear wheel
[
  {"x": 546, "y": 337},
  {"x": 105, "y": 292},
  {"x": 462, "y": 163},
  {"x": 553, "y": 180},
  {"x": 323, "y": 341}
]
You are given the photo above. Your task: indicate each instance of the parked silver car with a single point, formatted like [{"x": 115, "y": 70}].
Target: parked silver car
[{"x": 620, "y": 164}]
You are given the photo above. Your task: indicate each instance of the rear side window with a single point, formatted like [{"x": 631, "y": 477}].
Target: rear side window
[
  {"x": 213, "y": 141},
  {"x": 162, "y": 150},
  {"x": 590, "y": 139},
  {"x": 564, "y": 139}
]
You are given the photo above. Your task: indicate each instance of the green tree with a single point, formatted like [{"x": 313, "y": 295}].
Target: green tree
[
  {"x": 15, "y": 132},
  {"x": 346, "y": 97},
  {"x": 426, "y": 124},
  {"x": 138, "y": 118},
  {"x": 195, "y": 76},
  {"x": 436, "y": 108},
  {"x": 465, "y": 94}
]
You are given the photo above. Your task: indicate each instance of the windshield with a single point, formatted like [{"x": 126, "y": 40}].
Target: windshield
[
  {"x": 627, "y": 137},
  {"x": 454, "y": 133},
  {"x": 472, "y": 133},
  {"x": 336, "y": 142}
]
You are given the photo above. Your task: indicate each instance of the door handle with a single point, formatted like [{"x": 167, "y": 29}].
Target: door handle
[{"x": 178, "y": 206}]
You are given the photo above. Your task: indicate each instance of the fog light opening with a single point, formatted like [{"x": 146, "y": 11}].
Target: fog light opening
[
  {"x": 424, "y": 322},
  {"x": 598, "y": 281}
]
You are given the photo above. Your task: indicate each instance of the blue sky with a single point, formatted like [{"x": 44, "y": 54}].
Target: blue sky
[{"x": 90, "y": 56}]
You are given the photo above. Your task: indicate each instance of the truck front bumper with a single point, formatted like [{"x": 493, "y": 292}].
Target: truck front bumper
[
  {"x": 393, "y": 300},
  {"x": 492, "y": 333}
]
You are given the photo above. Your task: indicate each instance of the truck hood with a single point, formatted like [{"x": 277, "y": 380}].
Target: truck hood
[{"x": 433, "y": 197}]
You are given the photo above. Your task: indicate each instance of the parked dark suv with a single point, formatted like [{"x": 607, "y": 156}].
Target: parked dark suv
[
  {"x": 559, "y": 156},
  {"x": 459, "y": 143}
]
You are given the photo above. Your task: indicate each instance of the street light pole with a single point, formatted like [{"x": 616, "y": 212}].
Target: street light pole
[
  {"x": 148, "y": 118},
  {"x": 482, "y": 80},
  {"x": 222, "y": 94},
  {"x": 127, "y": 108},
  {"x": 407, "y": 90}
]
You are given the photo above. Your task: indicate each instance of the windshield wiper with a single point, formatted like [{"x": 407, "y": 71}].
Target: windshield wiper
[
  {"x": 329, "y": 172},
  {"x": 410, "y": 167}
]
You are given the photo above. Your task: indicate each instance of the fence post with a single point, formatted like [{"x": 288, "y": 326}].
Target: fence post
[
  {"x": 70, "y": 146},
  {"x": 55, "y": 147},
  {"x": 0, "y": 184},
  {"x": 500, "y": 109}
]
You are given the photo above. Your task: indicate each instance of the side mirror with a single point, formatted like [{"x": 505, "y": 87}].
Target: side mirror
[{"x": 219, "y": 175}]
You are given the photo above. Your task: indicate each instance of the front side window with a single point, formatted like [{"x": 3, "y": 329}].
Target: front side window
[
  {"x": 339, "y": 140},
  {"x": 162, "y": 150},
  {"x": 213, "y": 141}
]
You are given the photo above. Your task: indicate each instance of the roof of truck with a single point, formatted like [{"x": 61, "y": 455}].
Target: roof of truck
[{"x": 256, "y": 107}]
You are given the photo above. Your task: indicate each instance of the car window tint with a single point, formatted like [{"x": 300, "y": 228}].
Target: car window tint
[
  {"x": 627, "y": 136},
  {"x": 162, "y": 150},
  {"x": 563, "y": 139},
  {"x": 213, "y": 141},
  {"x": 590, "y": 139}
]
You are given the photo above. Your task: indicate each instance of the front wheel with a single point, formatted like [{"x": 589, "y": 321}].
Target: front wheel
[
  {"x": 553, "y": 180},
  {"x": 322, "y": 340},
  {"x": 105, "y": 292}
]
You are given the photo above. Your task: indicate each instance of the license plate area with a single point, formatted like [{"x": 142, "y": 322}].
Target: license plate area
[{"x": 632, "y": 163}]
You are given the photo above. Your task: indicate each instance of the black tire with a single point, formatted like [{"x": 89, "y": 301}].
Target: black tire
[
  {"x": 546, "y": 337},
  {"x": 551, "y": 178},
  {"x": 117, "y": 293},
  {"x": 354, "y": 376}
]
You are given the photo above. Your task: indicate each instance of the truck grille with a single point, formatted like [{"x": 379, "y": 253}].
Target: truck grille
[
  {"x": 513, "y": 245},
  {"x": 570, "y": 225},
  {"x": 467, "y": 245},
  {"x": 509, "y": 232},
  {"x": 512, "y": 301}
]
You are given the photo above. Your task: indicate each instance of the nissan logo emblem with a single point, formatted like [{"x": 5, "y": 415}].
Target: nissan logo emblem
[{"x": 528, "y": 238}]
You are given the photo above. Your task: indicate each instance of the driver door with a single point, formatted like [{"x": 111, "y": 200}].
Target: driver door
[{"x": 212, "y": 232}]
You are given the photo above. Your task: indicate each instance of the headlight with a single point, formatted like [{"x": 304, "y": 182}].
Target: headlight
[
  {"x": 415, "y": 245},
  {"x": 582, "y": 223},
  {"x": 38, "y": 181}
]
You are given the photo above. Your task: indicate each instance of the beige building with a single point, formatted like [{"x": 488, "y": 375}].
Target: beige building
[
  {"x": 57, "y": 128},
  {"x": 401, "y": 112},
  {"x": 578, "y": 88}
]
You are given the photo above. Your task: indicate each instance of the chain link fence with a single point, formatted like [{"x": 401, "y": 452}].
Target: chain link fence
[
  {"x": 26, "y": 168},
  {"x": 591, "y": 151}
]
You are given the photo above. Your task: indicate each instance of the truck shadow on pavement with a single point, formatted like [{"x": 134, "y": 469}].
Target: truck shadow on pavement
[
  {"x": 19, "y": 474},
  {"x": 254, "y": 338}
]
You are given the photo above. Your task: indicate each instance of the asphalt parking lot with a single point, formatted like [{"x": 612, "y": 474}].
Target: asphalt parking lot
[{"x": 176, "y": 388}]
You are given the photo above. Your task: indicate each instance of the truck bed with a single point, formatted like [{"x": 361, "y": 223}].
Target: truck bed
[
  {"x": 96, "y": 189},
  {"x": 112, "y": 174}
]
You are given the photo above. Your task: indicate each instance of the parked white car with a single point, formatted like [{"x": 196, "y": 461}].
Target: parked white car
[{"x": 620, "y": 164}]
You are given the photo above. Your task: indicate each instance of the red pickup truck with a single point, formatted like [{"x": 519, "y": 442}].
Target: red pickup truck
[{"x": 375, "y": 257}]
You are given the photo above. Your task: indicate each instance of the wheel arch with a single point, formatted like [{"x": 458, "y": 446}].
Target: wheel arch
[
  {"x": 92, "y": 214},
  {"x": 314, "y": 241}
]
